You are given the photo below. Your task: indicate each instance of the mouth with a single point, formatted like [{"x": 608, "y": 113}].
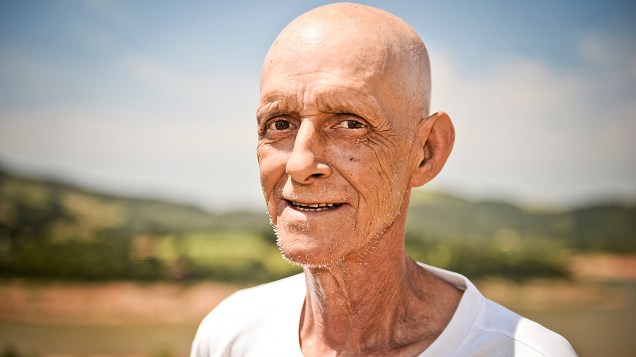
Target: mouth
[{"x": 313, "y": 207}]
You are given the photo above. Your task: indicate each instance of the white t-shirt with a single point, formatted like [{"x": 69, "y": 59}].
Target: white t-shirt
[{"x": 264, "y": 321}]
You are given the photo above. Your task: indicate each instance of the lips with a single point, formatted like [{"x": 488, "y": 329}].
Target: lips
[{"x": 315, "y": 207}]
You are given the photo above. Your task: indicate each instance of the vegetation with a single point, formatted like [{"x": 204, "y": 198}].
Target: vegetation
[{"x": 50, "y": 230}]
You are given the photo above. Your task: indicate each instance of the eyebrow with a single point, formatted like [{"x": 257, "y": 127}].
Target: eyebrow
[
  {"x": 363, "y": 105},
  {"x": 333, "y": 100},
  {"x": 272, "y": 106}
]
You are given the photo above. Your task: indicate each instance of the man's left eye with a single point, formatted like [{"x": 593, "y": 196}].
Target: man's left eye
[{"x": 351, "y": 124}]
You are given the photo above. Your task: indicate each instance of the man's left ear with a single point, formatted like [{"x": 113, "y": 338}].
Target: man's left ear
[{"x": 436, "y": 138}]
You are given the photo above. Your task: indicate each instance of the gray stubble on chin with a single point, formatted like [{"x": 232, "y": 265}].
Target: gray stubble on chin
[{"x": 307, "y": 258}]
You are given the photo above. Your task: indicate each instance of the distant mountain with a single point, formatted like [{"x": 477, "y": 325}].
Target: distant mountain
[
  {"x": 41, "y": 208},
  {"x": 45, "y": 209},
  {"x": 603, "y": 226}
]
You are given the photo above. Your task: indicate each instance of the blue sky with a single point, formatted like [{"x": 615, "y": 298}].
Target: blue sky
[{"x": 158, "y": 98}]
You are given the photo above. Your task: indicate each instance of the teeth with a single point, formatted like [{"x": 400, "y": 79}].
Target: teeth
[{"x": 313, "y": 206}]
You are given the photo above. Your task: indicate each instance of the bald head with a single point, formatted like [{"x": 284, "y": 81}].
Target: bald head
[
  {"x": 344, "y": 127},
  {"x": 358, "y": 41}
]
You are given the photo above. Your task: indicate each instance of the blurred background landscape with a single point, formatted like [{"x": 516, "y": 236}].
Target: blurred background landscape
[
  {"x": 130, "y": 201},
  {"x": 85, "y": 273}
]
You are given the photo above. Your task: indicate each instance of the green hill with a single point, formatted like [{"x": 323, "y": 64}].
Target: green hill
[
  {"x": 50, "y": 210},
  {"x": 606, "y": 226},
  {"x": 53, "y": 230}
]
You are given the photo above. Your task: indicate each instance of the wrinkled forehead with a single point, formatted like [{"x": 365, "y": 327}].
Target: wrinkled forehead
[{"x": 352, "y": 42}]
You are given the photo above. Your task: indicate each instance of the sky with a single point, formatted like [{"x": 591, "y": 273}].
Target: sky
[{"x": 158, "y": 98}]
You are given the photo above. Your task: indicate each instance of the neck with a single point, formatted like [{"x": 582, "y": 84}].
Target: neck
[{"x": 379, "y": 303}]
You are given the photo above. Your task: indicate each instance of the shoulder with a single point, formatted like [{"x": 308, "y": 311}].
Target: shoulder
[
  {"x": 517, "y": 334},
  {"x": 483, "y": 327},
  {"x": 246, "y": 314}
]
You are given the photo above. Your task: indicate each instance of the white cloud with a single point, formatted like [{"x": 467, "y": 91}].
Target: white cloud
[
  {"x": 541, "y": 133},
  {"x": 525, "y": 129},
  {"x": 197, "y": 142},
  {"x": 217, "y": 91}
]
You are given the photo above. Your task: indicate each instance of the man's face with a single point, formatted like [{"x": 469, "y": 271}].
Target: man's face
[{"x": 334, "y": 150}]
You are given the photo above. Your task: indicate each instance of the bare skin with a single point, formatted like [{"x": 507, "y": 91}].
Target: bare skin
[{"x": 344, "y": 134}]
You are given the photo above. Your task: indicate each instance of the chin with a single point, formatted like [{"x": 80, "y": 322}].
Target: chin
[
  {"x": 309, "y": 264},
  {"x": 299, "y": 251}
]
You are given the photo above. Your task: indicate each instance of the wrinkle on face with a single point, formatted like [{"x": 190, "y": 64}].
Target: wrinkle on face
[
  {"x": 323, "y": 96},
  {"x": 316, "y": 73}
]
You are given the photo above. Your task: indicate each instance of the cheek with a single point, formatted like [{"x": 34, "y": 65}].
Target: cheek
[
  {"x": 379, "y": 166},
  {"x": 270, "y": 160},
  {"x": 271, "y": 165},
  {"x": 381, "y": 180}
]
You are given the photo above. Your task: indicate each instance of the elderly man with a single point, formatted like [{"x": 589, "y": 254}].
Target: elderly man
[{"x": 344, "y": 134}]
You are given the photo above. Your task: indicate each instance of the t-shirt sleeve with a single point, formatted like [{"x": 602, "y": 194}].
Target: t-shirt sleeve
[
  {"x": 212, "y": 334},
  {"x": 201, "y": 345}
]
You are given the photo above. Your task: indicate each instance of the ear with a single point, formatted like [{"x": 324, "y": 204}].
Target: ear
[{"x": 436, "y": 136}]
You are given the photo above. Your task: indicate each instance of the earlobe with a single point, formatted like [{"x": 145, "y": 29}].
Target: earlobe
[{"x": 436, "y": 136}]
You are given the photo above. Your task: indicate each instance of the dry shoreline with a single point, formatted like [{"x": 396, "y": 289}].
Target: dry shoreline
[
  {"x": 107, "y": 304},
  {"x": 125, "y": 303}
]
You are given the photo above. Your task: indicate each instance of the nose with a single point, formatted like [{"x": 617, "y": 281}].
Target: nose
[{"x": 304, "y": 163}]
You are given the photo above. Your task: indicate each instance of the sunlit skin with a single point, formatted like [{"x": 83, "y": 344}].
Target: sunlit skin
[{"x": 344, "y": 134}]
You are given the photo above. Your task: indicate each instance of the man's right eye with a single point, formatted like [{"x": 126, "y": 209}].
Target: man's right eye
[{"x": 279, "y": 124}]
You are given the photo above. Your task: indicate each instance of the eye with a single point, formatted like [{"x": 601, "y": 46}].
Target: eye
[
  {"x": 351, "y": 124},
  {"x": 279, "y": 124},
  {"x": 354, "y": 124}
]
